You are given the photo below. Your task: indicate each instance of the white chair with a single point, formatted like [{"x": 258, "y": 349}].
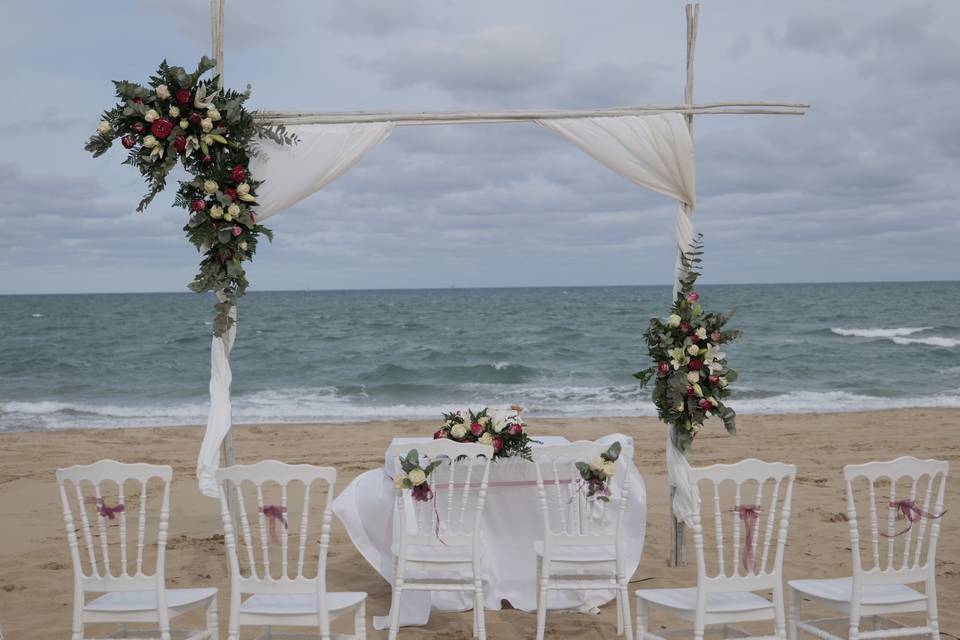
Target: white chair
[
  {"x": 903, "y": 555},
  {"x": 267, "y": 565},
  {"x": 439, "y": 545},
  {"x": 724, "y": 594},
  {"x": 131, "y": 582},
  {"x": 583, "y": 544}
]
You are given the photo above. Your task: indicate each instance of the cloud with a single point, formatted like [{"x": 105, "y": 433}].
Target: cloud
[{"x": 385, "y": 17}]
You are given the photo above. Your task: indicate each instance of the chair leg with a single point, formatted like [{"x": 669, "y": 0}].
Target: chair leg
[
  {"x": 395, "y": 609},
  {"x": 619, "y": 613},
  {"x": 641, "y": 619},
  {"x": 794, "y": 615},
  {"x": 478, "y": 608},
  {"x": 213, "y": 620},
  {"x": 625, "y": 599},
  {"x": 932, "y": 619},
  {"x": 360, "y": 621},
  {"x": 233, "y": 624},
  {"x": 542, "y": 580}
]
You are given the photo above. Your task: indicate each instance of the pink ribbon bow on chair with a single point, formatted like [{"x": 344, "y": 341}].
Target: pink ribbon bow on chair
[
  {"x": 104, "y": 510},
  {"x": 749, "y": 513},
  {"x": 274, "y": 514},
  {"x": 909, "y": 511}
]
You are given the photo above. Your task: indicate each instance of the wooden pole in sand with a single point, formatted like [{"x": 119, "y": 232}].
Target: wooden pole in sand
[{"x": 678, "y": 550}]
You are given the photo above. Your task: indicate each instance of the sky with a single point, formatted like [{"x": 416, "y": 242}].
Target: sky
[{"x": 863, "y": 188}]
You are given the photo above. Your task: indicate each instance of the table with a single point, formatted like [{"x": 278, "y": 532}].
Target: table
[{"x": 512, "y": 522}]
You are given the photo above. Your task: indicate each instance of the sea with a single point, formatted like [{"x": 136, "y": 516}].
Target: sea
[{"x": 111, "y": 360}]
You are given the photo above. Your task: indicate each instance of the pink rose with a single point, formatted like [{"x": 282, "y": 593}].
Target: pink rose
[
  {"x": 714, "y": 379},
  {"x": 690, "y": 392},
  {"x": 515, "y": 429},
  {"x": 692, "y": 297},
  {"x": 685, "y": 327},
  {"x": 236, "y": 231},
  {"x": 663, "y": 368},
  {"x": 476, "y": 429},
  {"x": 198, "y": 205},
  {"x": 440, "y": 435},
  {"x": 705, "y": 405},
  {"x": 497, "y": 444},
  {"x": 694, "y": 364},
  {"x": 715, "y": 336},
  {"x": 238, "y": 173}
]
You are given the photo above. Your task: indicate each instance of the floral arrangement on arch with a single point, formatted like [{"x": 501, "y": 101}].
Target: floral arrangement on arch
[
  {"x": 181, "y": 118},
  {"x": 415, "y": 478},
  {"x": 690, "y": 371},
  {"x": 508, "y": 436},
  {"x": 598, "y": 472}
]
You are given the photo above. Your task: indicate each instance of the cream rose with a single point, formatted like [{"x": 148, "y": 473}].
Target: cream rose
[
  {"x": 206, "y": 124},
  {"x": 609, "y": 466},
  {"x": 213, "y": 114},
  {"x": 216, "y": 211},
  {"x": 103, "y": 127},
  {"x": 597, "y": 463},
  {"x": 184, "y": 124},
  {"x": 163, "y": 92},
  {"x": 243, "y": 245},
  {"x": 458, "y": 431},
  {"x": 693, "y": 376},
  {"x": 693, "y": 349},
  {"x": 702, "y": 333},
  {"x": 486, "y": 438},
  {"x": 417, "y": 477},
  {"x": 398, "y": 481},
  {"x": 209, "y": 186},
  {"x": 151, "y": 116},
  {"x": 174, "y": 112},
  {"x": 149, "y": 142},
  {"x": 208, "y": 140},
  {"x": 243, "y": 188},
  {"x": 673, "y": 320},
  {"x": 233, "y": 210}
]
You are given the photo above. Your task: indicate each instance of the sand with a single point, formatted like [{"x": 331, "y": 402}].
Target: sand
[{"x": 36, "y": 574}]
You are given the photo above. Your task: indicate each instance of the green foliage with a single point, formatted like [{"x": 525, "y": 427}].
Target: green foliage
[
  {"x": 690, "y": 374},
  {"x": 210, "y": 134}
]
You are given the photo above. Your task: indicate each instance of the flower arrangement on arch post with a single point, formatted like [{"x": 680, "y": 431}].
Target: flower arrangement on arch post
[
  {"x": 690, "y": 371},
  {"x": 183, "y": 118}
]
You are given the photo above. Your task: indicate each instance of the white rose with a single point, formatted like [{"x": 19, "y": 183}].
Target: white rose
[
  {"x": 208, "y": 140},
  {"x": 213, "y": 114},
  {"x": 702, "y": 333},
  {"x": 184, "y": 124},
  {"x": 163, "y": 92},
  {"x": 209, "y": 186},
  {"x": 206, "y": 124},
  {"x": 233, "y": 210},
  {"x": 693, "y": 349},
  {"x": 398, "y": 481},
  {"x": 103, "y": 127},
  {"x": 609, "y": 466},
  {"x": 486, "y": 438},
  {"x": 151, "y": 116},
  {"x": 417, "y": 477},
  {"x": 174, "y": 112},
  {"x": 597, "y": 464},
  {"x": 243, "y": 188},
  {"x": 243, "y": 245},
  {"x": 458, "y": 431},
  {"x": 673, "y": 320},
  {"x": 693, "y": 376},
  {"x": 149, "y": 142},
  {"x": 216, "y": 211}
]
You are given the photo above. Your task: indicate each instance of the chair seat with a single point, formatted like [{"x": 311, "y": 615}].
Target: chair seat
[
  {"x": 115, "y": 601},
  {"x": 717, "y": 602},
  {"x": 292, "y": 604},
  {"x": 577, "y": 553},
  {"x": 437, "y": 553},
  {"x": 841, "y": 589}
]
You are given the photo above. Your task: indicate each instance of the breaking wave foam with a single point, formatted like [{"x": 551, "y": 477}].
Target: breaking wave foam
[{"x": 879, "y": 333}]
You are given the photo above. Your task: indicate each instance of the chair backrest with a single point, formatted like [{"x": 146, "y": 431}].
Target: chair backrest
[
  {"x": 280, "y": 508},
  {"x": 570, "y": 516},
  {"x": 878, "y": 493},
  {"x": 459, "y": 493},
  {"x": 754, "y": 498},
  {"x": 97, "y": 512}
]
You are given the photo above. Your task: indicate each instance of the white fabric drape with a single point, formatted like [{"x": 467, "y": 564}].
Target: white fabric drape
[
  {"x": 290, "y": 174},
  {"x": 655, "y": 152}
]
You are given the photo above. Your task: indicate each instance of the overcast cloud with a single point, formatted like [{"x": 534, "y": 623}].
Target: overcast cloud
[{"x": 862, "y": 188}]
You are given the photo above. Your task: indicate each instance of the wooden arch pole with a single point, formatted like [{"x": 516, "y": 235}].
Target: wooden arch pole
[{"x": 678, "y": 550}]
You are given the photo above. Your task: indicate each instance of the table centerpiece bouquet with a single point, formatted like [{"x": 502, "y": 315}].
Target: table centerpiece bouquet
[{"x": 507, "y": 435}]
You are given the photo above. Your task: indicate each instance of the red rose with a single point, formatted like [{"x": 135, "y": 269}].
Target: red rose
[
  {"x": 139, "y": 127},
  {"x": 714, "y": 379},
  {"x": 694, "y": 364},
  {"x": 705, "y": 405},
  {"x": 663, "y": 368},
  {"x": 180, "y": 144},
  {"x": 161, "y": 128},
  {"x": 183, "y": 96},
  {"x": 138, "y": 101},
  {"x": 440, "y": 435},
  {"x": 715, "y": 336},
  {"x": 206, "y": 161},
  {"x": 685, "y": 327},
  {"x": 236, "y": 231},
  {"x": 515, "y": 429},
  {"x": 692, "y": 297},
  {"x": 497, "y": 444},
  {"x": 127, "y": 141},
  {"x": 198, "y": 205},
  {"x": 238, "y": 173},
  {"x": 476, "y": 429},
  {"x": 195, "y": 118},
  {"x": 231, "y": 193},
  {"x": 690, "y": 392}
]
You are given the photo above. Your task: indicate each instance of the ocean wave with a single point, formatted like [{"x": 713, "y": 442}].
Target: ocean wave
[
  {"x": 879, "y": 333},
  {"x": 933, "y": 341}
]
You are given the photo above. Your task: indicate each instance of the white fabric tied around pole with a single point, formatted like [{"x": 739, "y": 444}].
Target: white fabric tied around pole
[
  {"x": 324, "y": 153},
  {"x": 684, "y": 504},
  {"x": 291, "y": 173},
  {"x": 219, "y": 419}
]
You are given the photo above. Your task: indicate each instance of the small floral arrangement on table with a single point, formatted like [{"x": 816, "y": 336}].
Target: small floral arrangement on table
[
  {"x": 508, "y": 436},
  {"x": 691, "y": 373},
  {"x": 415, "y": 478},
  {"x": 597, "y": 473}
]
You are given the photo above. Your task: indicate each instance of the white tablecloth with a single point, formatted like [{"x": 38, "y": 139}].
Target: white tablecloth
[{"x": 512, "y": 523}]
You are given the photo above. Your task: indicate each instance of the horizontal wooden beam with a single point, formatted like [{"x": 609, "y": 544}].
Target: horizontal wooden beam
[{"x": 465, "y": 117}]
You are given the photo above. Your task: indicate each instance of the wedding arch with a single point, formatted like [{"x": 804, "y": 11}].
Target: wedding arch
[{"x": 652, "y": 146}]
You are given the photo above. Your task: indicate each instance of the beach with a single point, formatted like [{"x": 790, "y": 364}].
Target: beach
[{"x": 36, "y": 573}]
